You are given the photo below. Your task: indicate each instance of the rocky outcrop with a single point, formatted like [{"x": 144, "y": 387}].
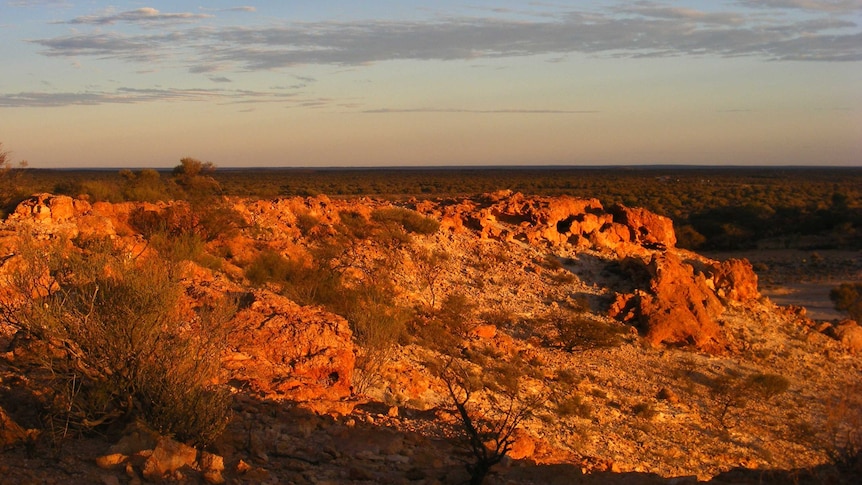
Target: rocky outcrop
[
  {"x": 556, "y": 221},
  {"x": 48, "y": 208},
  {"x": 647, "y": 229},
  {"x": 677, "y": 307},
  {"x": 735, "y": 280},
  {"x": 283, "y": 350},
  {"x": 61, "y": 214}
]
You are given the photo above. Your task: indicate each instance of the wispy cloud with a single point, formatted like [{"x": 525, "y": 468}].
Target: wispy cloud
[
  {"x": 141, "y": 15},
  {"x": 641, "y": 29},
  {"x": 137, "y": 96},
  {"x": 838, "y": 6},
  {"x": 137, "y": 48},
  {"x": 38, "y": 3},
  {"x": 476, "y": 111},
  {"x": 657, "y": 11}
]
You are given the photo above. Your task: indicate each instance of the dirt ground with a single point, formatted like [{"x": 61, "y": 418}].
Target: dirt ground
[{"x": 802, "y": 277}]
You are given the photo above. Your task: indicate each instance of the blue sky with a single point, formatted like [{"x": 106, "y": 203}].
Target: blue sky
[{"x": 336, "y": 83}]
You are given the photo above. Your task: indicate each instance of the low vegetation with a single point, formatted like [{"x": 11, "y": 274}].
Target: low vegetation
[
  {"x": 124, "y": 348},
  {"x": 847, "y": 297}
]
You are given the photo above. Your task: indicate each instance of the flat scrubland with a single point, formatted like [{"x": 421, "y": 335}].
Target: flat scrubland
[{"x": 410, "y": 326}]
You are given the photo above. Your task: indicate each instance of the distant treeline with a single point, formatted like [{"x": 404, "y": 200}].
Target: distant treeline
[{"x": 712, "y": 208}]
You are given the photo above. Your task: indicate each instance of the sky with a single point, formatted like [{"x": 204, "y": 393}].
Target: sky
[{"x": 416, "y": 83}]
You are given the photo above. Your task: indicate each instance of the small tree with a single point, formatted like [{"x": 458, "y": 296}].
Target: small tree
[
  {"x": 733, "y": 392},
  {"x": 146, "y": 186},
  {"x": 195, "y": 178},
  {"x": 10, "y": 181},
  {"x": 488, "y": 435},
  {"x": 430, "y": 265}
]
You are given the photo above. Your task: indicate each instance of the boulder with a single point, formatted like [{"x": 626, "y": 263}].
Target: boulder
[
  {"x": 48, "y": 208},
  {"x": 678, "y": 307},
  {"x": 648, "y": 229},
  {"x": 168, "y": 457},
  {"x": 282, "y": 349},
  {"x": 849, "y": 333},
  {"x": 735, "y": 280},
  {"x": 523, "y": 445}
]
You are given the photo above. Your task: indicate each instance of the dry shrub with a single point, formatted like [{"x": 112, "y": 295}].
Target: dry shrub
[
  {"x": 114, "y": 337},
  {"x": 732, "y": 393},
  {"x": 573, "y": 405},
  {"x": 411, "y": 221},
  {"x": 841, "y": 436},
  {"x": 579, "y": 331},
  {"x": 377, "y": 324},
  {"x": 269, "y": 266}
]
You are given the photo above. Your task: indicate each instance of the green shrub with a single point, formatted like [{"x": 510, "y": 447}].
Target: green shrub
[
  {"x": 456, "y": 314},
  {"x": 180, "y": 247},
  {"x": 126, "y": 349},
  {"x": 144, "y": 186},
  {"x": 354, "y": 225},
  {"x": 306, "y": 222}
]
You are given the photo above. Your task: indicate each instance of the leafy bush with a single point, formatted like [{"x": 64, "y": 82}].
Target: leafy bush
[
  {"x": 377, "y": 323},
  {"x": 456, "y": 314},
  {"x": 118, "y": 343},
  {"x": 848, "y": 298}
]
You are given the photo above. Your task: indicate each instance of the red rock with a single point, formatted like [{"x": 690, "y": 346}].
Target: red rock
[
  {"x": 523, "y": 446},
  {"x": 849, "y": 333},
  {"x": 677, "y": 308},
  {"x": 168, "y": 457},
  {"x": 735, "y": 280},
  {"x": 484, "y": 332},
  {"x": 648, "y": 229},
  {"x": 298, "y": 353}
]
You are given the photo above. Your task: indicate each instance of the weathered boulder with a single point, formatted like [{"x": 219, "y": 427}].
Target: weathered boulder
[
  {"x": 48, "y": 208},
  {"x": 282, "y": 349},
  {"x": 678, "y": 307},
  {"x": 648, "y": 229},
  {"x": 168, "y": 457},
  {"x": 523, "y": 445},
  {"x": 849, "y": 333},
  {"x": 735, "y": 280}
]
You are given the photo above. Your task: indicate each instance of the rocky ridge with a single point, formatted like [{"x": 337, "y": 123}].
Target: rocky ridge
[{"x": 651, "y": 412}]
